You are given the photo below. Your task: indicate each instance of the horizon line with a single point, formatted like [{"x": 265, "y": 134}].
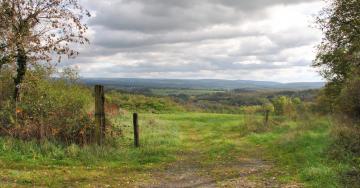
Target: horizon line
[{"x": 83, "y": 77}]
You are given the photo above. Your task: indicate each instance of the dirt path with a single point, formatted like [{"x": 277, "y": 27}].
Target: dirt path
[
  {"x": 187, "y": 173},
  {"x": 189, "y": 170}
]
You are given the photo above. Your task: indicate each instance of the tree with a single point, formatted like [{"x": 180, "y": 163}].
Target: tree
[
  {"x": 339, "y": 53},
  {"x": 279, "y": 104},
  {"x": 339, "y": 58},
  {"x": 36, "y": 31}
]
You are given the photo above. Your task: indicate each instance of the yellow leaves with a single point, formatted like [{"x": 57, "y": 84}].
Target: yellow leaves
[{"x": 55, "y": 131}]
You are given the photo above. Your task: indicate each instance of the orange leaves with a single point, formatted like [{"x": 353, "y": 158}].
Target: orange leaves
[{"x": 18, "y": 110}]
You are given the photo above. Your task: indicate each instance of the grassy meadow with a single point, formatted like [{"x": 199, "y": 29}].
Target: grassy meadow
[
  {"x": 58, "y": 130},
  {"x": 206, "y": 149}
]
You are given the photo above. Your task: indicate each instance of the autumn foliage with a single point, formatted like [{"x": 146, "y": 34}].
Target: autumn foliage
[
  {"x": 49, "y": 109},
  {"x": 32, "y": 32}
]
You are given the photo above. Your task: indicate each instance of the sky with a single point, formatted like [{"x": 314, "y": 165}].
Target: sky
[{"x": 271, "y": 40}]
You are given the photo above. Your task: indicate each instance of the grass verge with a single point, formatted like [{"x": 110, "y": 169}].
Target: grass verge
[{"x": 298, "y": 151}]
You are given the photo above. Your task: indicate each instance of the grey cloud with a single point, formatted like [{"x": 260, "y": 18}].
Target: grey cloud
[
  {"x": 146, "y": 17},
  {"x": 170, "y": 15},
  {"x": 126, "y": 39},
  {"x": 257, "y": 4},
  {"x": 159, "y": 37}
]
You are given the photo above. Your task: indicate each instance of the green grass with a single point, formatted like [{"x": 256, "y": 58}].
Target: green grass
[
  {"x": 300, "y": 152},
  {"x": 297, "y": 150}
]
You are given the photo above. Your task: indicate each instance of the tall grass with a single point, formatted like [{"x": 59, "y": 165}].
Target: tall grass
[
  {"x": 301, "y": 151},
  {"x": 159, "y": 142}
]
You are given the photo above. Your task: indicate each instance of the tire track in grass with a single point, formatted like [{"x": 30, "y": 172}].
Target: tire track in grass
[{"x": 191, "y": 169}]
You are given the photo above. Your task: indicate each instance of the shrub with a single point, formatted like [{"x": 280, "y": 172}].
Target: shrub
[
  {"x": 323, "y": 103},
  {"x": 5, "y": 83},
  {"x": 347, "y": 137},
  {"x": 141, "y": 103},
  {"x": 252, "y": 121},
  {"x": 289, "y": 107},
  {"x": 346, "y": 132},
  {"x": 349, "y": 100},
  {"x": 6, "y": 106},
  {"x": 281, "y": 105},
  {"x": 50, "y": 109}
]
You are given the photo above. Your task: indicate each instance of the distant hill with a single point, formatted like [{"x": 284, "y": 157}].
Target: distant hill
[{"x": 126, "y": 83}]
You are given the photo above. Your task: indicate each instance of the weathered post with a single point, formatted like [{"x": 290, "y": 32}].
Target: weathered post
[
  {"x": 99, "y": 114},
  {"x": 136, "y": 130},
  {"x": 267, "y": 117}
]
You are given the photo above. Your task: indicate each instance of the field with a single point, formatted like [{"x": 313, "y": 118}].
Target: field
[
  {"x": 209, "y": 82},
  {"x": 182, "y": 150}
]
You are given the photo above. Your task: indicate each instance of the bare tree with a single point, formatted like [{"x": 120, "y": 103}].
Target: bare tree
[{"x": 34, "y": 31}]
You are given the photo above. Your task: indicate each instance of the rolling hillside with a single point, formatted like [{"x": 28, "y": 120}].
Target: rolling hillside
[{"x": 199, "y": 84}]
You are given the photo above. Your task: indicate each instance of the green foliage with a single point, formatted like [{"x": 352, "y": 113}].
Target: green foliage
[
  {"x": 268, "y": 107},
  {"x": 349, "y": 100},
  {"x": 141, "y": 103},
  {"x": 339, "y": 57},
  {"x": 285, "y": 106},
  {"x": 346, "y": 131},
  {"x": 323, "y": 104},
  {"x": 5, "y": 83},
  {"x": 6, "y": 105},
  {"x": 7, "y": 114},
  {"x": 177, "y": 92},
  {"x": 210, "y": 107},
  {"x": 252, "y": 109},
  {"x": 338, "y": 54},
  {"x": 49, "y": 109}
]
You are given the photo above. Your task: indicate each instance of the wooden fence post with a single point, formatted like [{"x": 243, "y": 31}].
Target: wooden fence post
[
  {"x": 267, "y": 117},
  {"x": 99, "y": 114},
  {"x": 136, "y": 130}
]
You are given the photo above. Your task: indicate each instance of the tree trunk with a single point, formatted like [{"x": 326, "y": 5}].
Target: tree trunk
[{"x": 21, "y": 62}]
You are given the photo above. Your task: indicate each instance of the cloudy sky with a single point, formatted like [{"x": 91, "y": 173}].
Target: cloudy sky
[{"x": 271, "y": 40}]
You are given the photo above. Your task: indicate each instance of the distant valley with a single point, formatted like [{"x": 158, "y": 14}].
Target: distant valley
[{"x": 208, "y": 84}]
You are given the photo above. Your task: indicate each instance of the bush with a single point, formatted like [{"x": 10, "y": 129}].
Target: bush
[
  {"x": 283, "y": 106},
  {"x": 290, "y": 107},
  {"x": 5, "y": 83},
  {"x": 49, "y": 109},
  {"x": 349, "y": 100},
  {"x": 6, "y": 107},
  {"x": 141, "y": 103},
  {"x": 347, "y": 137},
  {"x": 346, "y": 132},
  {"x": 253, "y": 123},
  {"x": 323, "y": 104}
]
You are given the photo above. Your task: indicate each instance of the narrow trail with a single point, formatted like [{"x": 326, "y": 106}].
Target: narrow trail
[{"x": 189, "y": 170}]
